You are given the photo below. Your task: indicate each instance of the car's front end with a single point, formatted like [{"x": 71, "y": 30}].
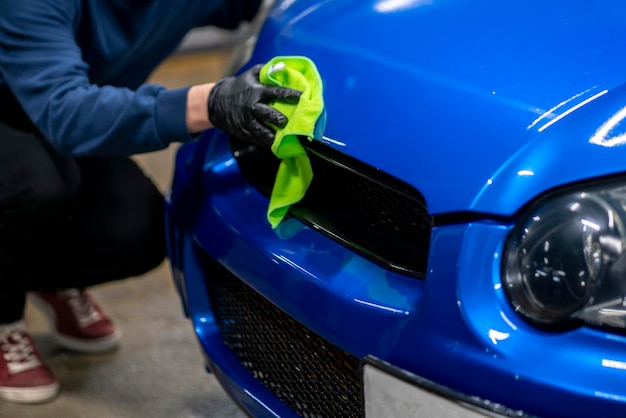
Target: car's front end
[{"x": 461, "y": 248}]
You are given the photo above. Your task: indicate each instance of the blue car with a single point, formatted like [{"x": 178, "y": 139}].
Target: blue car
[{"x": 461, "y": 250}]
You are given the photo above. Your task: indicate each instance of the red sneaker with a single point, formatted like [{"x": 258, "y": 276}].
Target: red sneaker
[
  {"x": 24, "y": 378},
  {"x": 77, "y": 321}
]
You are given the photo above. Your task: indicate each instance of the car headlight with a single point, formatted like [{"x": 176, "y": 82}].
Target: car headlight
[{"x": 565, "y": 261}]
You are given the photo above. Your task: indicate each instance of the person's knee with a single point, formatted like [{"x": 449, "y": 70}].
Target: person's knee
[
  {"x": 141, "y": 239},
  {"x": 149, "y": 239}
]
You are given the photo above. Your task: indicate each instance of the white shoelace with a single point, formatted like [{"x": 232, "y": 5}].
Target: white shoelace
[
  {"x": 81, "y": 306},
  {"x": 17, "y": 349}
]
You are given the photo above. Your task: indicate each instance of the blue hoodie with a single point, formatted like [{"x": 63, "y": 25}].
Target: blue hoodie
[{"x": 77, "y": 67}]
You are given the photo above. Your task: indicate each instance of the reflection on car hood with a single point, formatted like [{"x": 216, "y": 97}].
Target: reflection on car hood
[{"x": 479, "y": 105}]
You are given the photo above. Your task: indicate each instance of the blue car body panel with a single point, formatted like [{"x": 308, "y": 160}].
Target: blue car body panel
[
  {"x": 482, "y": 107},
  {"x": 438, "y": 91}
]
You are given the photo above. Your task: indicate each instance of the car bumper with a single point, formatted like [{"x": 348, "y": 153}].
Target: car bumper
[{"x": 455, "y": 328}]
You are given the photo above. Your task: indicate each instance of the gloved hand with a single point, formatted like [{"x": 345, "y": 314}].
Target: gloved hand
[{"x": 239, "y": 106}]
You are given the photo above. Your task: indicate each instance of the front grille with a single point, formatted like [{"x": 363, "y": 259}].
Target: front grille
[
  {"x": 309, "y": 374},
  {"x": 374, "y": 214}
]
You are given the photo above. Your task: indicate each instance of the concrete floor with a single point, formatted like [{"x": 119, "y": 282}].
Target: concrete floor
[{"x": 158, "y": 371}]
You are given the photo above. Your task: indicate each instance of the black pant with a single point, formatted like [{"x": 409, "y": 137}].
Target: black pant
[{"x": 70, "y": 222}]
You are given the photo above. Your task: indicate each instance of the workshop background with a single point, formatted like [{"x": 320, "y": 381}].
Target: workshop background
[{"x": 158, "y": 371}]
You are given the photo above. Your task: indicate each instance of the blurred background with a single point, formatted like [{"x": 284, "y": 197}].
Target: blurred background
[{"x": 158, "y": 370}]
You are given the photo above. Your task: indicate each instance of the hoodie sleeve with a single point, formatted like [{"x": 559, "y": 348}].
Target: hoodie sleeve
[{"x": 42, "y": 64}]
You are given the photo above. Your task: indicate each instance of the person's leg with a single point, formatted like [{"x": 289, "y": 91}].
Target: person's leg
[
  {"x": 116, "y": 232},
  {"x": 117, "y": 223},
  {"x": 61, "y": 232},
  {"x": 37, "y": 192}
]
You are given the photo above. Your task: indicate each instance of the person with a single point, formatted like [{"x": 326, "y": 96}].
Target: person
[{"x": 75, "y": 210}]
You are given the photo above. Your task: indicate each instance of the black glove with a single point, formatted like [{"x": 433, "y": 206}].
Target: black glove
[{"x": 239, "y": 106}]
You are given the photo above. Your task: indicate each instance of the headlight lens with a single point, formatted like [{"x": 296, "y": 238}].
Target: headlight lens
[{"x": 566, "y": 259}]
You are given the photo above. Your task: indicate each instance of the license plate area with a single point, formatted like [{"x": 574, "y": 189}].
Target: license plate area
[{"x": 389, "y": 391}]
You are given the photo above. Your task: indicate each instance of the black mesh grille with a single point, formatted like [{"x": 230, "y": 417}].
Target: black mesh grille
[
  {"x": 373, "y": 213},
  {"x": 310, "y": 375}
]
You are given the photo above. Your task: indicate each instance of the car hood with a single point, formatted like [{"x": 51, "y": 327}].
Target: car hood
[{"x": 479, "y": 105}]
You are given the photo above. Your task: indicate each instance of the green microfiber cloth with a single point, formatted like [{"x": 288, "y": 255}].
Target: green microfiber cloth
[{"x": 306, "y": 119}]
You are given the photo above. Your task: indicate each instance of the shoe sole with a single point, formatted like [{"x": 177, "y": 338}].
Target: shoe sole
[
  {"x": 30, "y": 395},
  {"x": 99, "y": 345},
  {"x": 96, "y": 345}
]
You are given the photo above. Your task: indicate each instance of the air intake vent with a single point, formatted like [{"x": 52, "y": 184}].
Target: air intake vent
[
  {"x": 309, "y": 374},
  {"x": 374, "y": 214}
]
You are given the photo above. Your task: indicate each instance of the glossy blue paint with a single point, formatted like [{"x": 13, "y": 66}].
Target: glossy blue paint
[
  {"x": 545, "y": 366},
  {"x": 454, "y": 90},
  {"x": 305, "y": 268},
  {"x": 482, "y": 106},
  {"x": 454, "y": 328},
  {"x": 235, "y": 379}
]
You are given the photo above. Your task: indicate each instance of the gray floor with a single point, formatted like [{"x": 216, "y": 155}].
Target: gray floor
[{"x": 158, "y": 371}]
